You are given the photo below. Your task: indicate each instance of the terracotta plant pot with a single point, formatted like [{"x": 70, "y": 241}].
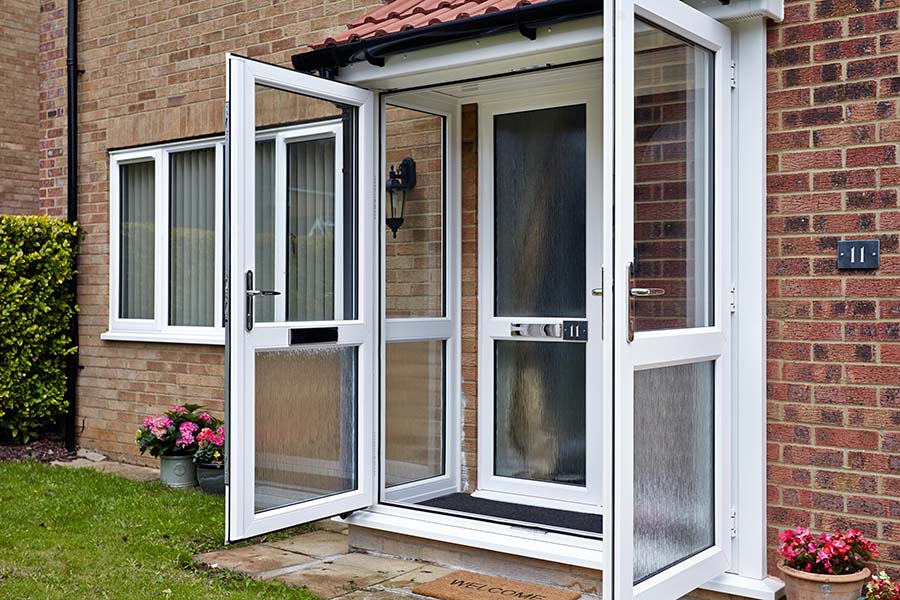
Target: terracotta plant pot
[
  {"x": 211, "y": 479},
  {"x": 809, "y": 586}
]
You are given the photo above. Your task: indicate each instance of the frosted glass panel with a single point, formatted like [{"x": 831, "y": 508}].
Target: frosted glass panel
[
  {"x": 305, "y": 424},
  {"x": 192, "y": 237},
  {"x": 539, "y": 212},
  {"x": 414, "y": 263},
  {"x": 673, "y": 465},
  {"x": 673, "y": 181},
  {"x": 539, "y": 411},
  {"x": 414, "y": 402},
  {"x": 136, "y": 240},
  {"x": 311, "y": 222},
  {"x": 264, "y": 274}
]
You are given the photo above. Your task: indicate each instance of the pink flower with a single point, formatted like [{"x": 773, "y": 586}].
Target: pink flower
[
  {"x": 160, "y": 427},
  {"x": 186, "y": 438},
  {"x": 205, "y": 417},
  {"x": 179, "y": 409}
]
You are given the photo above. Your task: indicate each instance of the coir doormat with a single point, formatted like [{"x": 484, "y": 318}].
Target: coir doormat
[{"x": 463, "y": 585}]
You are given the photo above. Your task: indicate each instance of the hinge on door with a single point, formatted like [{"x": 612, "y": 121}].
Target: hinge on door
[
  {"x": 733, "y": 75},
  {"x": 732, "y": 299},
  {"x": 733, "y": 522}
]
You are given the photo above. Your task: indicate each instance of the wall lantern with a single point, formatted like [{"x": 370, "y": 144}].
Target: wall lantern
[{"x": 399, "y": 182}]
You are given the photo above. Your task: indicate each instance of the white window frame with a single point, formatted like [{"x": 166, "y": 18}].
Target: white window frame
[
  {"x": 443, "y": 329},
  {"x": 158, "y": 328}
]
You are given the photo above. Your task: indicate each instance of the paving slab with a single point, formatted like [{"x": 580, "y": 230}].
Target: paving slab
[
  {"x": 259, "y": 561},
  {"x": 375, "y": 594},
  {"x": 318, "y": 544},
  {"x": 133, "y": 472},
  {"x": 347, "y": 573},
  {"x": 408, "y": 581}
]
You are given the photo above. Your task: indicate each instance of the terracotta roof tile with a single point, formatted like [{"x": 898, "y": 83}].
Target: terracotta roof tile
[{"x": 402, "y": 15}]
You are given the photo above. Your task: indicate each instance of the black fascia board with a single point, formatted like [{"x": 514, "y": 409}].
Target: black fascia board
[{"x": 374, "y": 50}]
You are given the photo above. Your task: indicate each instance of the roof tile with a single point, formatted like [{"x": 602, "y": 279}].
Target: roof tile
[{"x": 402, "y": 15}]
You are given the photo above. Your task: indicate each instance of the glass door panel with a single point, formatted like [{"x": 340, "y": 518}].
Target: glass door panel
[
  {"x": 300, "y": 331},
  {"x": 540, "y": 325},
  {"x": 670, "y": 416}
]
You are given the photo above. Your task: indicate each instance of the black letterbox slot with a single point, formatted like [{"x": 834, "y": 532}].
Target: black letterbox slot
[{"x": 315, "y": 335}]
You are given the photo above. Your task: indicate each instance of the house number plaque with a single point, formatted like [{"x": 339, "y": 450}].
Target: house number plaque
[{"x": 859, "y": 254}]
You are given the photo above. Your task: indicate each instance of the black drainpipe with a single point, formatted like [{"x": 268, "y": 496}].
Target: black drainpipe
[{"x": 72, "y": 201}]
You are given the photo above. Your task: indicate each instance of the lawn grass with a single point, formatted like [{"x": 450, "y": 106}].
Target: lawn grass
[{"x": 78, "y": 533}]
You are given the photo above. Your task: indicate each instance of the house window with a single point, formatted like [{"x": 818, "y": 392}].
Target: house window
[{"x": 166, "y": 234}]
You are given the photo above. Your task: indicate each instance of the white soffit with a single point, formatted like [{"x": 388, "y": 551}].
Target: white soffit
[{"x": 740, "y": 9}]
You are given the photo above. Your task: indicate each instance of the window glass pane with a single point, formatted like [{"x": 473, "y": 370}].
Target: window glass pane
[
  {"x": 673, "y": 199},
  {"x": 539, "y": 411},
  {"x": 264, "y": 275},
  {"x": 311, "y": 231},
  {"x": 137, "y": 230},
  {"x": 192, "y": 237},
  {"x": 414, "y": 262},
  {"x": 539, "y": 212},
  {"x": 673, "y": 465},
  {"x": 305, "y": 424},
  {"x": 306, "y": 206},
  {"x": 414, "y": 419}
]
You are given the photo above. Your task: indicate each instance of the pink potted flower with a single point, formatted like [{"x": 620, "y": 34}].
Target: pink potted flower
[
  {"x": 172, "y": 438},
  {"x": 210, "y": 457},
  {"x": 881, "y": 587},
  {"x": 831, "y": 566}
]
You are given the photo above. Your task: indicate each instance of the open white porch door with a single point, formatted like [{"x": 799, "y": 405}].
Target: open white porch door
[
  {"x": 671, "y": 94},
  {"x": 299, "y": 302}
]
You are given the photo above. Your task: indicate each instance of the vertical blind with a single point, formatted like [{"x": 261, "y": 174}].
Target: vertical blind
[
  {"x": 192, "y": 237},
  {"x": 311, "y": 229},
  {"x": 136, "y": 240},
  {"x": 264, "y": 273}
]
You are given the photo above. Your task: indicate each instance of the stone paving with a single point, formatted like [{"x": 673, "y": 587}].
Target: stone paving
[{"x": 321, "y": 562}]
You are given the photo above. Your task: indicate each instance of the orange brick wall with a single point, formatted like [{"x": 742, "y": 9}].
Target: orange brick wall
[
  {"x": 153, "y": 71},
  {"x": 19, "y": 129},
  {"x": 834, "y": 337}
]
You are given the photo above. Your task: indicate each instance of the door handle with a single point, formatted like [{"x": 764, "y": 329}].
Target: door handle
[
  {"x": 644, "y": 292},
  {"x": 251, "y": 294}
]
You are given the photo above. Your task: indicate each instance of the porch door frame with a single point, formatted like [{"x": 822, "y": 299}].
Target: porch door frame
[
  {"x": 665, "y": 347},
  {"x": 493, "y": 328},
  {"x": 242, "y": 520}
]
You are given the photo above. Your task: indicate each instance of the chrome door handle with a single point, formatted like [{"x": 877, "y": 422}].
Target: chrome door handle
[
  {"x": 251, "y": 294},
  {"x": 644, "y": 292}
]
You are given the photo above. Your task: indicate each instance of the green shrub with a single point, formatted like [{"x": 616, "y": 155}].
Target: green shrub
[{"x": 37, "y": 263}]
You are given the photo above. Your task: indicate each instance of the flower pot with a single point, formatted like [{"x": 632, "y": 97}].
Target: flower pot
[
  {"x": 177, "y": 471},
  {"x": 211, "y": 479},
  {"x": 800, "y": 585}
]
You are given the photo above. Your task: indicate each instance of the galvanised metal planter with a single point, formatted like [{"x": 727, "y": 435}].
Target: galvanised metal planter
[
  {"x": 177, "y": 471},
  {"x": 211, "y": 479},
  {"x": 810, "y": 586}
]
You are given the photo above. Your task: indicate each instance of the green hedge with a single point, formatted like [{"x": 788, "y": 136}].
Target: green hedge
[{"x": 37, "y": 263}]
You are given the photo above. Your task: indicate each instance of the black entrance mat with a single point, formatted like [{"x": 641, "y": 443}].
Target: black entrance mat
[{"x": 535, "y": 515}]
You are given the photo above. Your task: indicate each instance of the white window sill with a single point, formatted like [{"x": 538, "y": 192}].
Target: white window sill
[
  {"x": 769, "y": 588},
  {"x": 212, "y": 339}
]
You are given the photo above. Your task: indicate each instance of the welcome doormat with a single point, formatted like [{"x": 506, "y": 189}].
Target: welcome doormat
[{"x": 464, "y": 585}]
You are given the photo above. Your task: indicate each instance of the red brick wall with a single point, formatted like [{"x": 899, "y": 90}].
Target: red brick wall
[
  {"x": 834, "y": 337},
  {"x": 18, "y": 98}
]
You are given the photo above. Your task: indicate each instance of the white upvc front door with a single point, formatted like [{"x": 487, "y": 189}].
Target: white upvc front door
[
  {"x": 300, "y": 300},
  {"x": 667, "y": 514}
]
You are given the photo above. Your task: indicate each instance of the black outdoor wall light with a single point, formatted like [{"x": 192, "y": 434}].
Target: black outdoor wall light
[{"x": 399, "y": 182}]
